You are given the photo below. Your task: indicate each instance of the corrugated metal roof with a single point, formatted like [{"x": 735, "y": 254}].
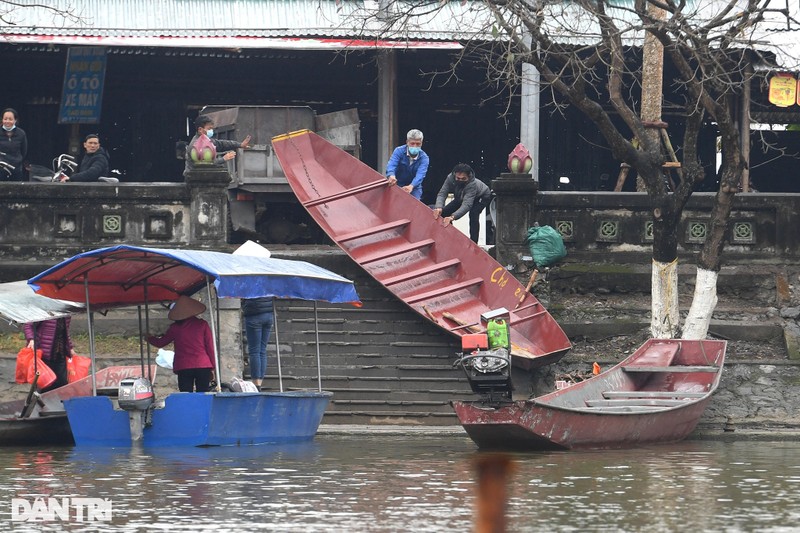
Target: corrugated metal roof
[
  {"x": 311, "y": 24},
  {"x": 241, "y": 18}
]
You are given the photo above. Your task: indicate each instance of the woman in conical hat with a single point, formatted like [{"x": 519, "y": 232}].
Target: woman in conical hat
[{"x": 193, "y": 343}]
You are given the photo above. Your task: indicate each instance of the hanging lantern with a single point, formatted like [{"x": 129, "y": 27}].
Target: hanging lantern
[
  {"x": 520, "y": 160},
  {"x": 783, "y": 90}
]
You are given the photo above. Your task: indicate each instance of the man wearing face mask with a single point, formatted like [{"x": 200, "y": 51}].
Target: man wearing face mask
[
  {"x": 408, "y": 165},
  {"x": 470, "y": 195},
  {"x": 226, "y": 150}
]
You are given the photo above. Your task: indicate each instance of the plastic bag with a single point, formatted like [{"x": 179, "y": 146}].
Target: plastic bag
[
  {"x": 203, "y": 151},
  {"x": 165, "y": 358},
  {"x": 26, "y": 370},
  {"x": 546, "y": 245},
  {"x": 240, "y": 385},
  {"x": 24, "y": 359},
  {"x": 46, "y": 375},
  {"x": 77, "y": 367}
]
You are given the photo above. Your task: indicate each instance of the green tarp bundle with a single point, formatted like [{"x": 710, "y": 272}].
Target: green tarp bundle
[{"x": 546, "y": 245}]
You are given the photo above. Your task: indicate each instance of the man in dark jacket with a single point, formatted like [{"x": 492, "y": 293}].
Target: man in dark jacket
[
  {"x": 470, "y": 195},
  {"x": 95, "y": 163}
]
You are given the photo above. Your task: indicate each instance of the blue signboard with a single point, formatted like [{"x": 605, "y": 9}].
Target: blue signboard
[{"x": 82, "y": 95}]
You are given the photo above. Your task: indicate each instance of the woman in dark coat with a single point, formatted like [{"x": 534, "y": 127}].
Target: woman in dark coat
[{"x": 13, "y": 146}]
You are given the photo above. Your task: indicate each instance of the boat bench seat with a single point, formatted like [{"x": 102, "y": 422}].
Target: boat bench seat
[
  {"x": 656, "y": 356},
  {"x": 622, "y": 409},
  {"x": 676, "y": 368},
  {"x": 637, "y": 402},
  {"x": 652, "y": 394},
  {"x": 374, "y": 230},
  {"x": 51, "y": 412}
]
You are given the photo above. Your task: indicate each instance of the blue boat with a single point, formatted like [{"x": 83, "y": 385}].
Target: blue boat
[
  {"x": 204, "y": 419},
  {"x": 122, "y": 276}
]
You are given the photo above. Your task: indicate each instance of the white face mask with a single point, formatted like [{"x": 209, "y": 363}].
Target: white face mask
[
  {"x": 9, "y": 129},
  {"x": 209, "y": 133}
]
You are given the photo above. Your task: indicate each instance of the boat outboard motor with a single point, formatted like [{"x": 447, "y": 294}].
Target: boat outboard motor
[
  {"x": 488, "y": 370},
  {"x": 136, "y": 396}
]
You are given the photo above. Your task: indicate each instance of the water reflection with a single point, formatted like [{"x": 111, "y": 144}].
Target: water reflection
[{"x": 422, "y": 484}]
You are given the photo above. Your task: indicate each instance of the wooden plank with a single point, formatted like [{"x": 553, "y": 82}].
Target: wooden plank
[
  {"x": 347, "y": 193},
  {"x": 675, "y": 368},
  {"x": 397, "y": 250},
  {"x": 622, "y": 409},
  {"x": 447, "y": 289},
  {"x": 635, "y": 402},
  {"x": 374, "y": 230},
  {"x": 418, "y": 273},
  {"x": 653, "y": 394}
]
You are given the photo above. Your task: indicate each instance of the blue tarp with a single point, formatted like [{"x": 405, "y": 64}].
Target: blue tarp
[{"x": 132, "y": 275}]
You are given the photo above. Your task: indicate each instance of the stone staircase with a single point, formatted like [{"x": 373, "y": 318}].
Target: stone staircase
[{"x": 383, "y": 364}]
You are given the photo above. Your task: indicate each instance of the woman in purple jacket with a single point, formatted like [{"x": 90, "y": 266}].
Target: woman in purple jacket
[
  {"x": 52, "y": 338},
  {"x": 194, "y": 345}
]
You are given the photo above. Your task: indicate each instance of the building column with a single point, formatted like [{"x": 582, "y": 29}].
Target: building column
[
  {"x": 529, "y": 115},
  {"x": 209, "y": 206},
  {"x": 387, "y": 106},
  {"x": 515, "y": 197}
]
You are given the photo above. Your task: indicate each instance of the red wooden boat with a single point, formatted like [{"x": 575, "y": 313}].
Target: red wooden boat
[
  {"x": 435, "y": 269},
  {"x": 656, "y": 395}
]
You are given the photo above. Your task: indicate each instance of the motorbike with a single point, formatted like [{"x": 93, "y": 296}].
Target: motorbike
[
  {"x": 6, "y": 170},
  {"x": 62, "y": 167}
]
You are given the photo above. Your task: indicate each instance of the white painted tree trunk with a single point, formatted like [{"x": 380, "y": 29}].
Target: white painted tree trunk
[
  {"x": 703, "y": 304},
  {"x": 665, "y": 314}
]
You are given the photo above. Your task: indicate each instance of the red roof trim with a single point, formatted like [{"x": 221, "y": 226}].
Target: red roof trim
[{"x": 290, "y": 43}]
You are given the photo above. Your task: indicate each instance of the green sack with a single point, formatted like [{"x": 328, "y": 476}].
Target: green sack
[{"x": 546, "y": 245}]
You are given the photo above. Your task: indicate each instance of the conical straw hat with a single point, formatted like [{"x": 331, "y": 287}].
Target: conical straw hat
[{"x": 184, "y": 308}]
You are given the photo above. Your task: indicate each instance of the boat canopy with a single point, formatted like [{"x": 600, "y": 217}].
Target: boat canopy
[
  {"x": 20, "y": 305},
  {"x": 131, "y": 275}
]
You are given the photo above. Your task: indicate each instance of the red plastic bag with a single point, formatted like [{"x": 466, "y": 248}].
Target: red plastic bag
[
  {"x": 26, "y": 369},
  {"x": 46, "y": 375},
  {"x": 77, "y": 367},
  {"x": 24, "y": 360}
]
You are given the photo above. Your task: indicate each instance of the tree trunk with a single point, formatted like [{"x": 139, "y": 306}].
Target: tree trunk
[
  {"x": 703, "y": 304},
  {"x": 665, "y": 315}
]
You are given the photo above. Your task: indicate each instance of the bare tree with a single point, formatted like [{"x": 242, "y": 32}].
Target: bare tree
[
  {"x": 587, "y": 54},
  {"x": 17, "y": 13}
]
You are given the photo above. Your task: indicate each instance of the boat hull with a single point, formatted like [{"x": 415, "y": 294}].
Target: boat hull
[
  {"x": 35, "y": 431},
  {"x": 526, "y": 426},
  {"x": 655, "y": 396},
  {"x": 47, "y": 422},
  {"x": 203, "y": 419},
  {"x": 434, "y": 269}
]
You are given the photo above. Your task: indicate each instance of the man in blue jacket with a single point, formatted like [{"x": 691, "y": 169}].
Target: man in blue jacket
[
  {"x": 409, "y": 164},
  {"x": 470, "y": 195}
]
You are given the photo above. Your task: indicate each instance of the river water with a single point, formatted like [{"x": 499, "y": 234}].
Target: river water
[{"x": 404, "y": 484}]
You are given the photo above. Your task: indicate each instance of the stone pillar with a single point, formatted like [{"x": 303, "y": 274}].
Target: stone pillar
[
  {"x": 209, "y": 206},
  {"x": 231, "y": 354},
  {"x": 515, "y": 209}
]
